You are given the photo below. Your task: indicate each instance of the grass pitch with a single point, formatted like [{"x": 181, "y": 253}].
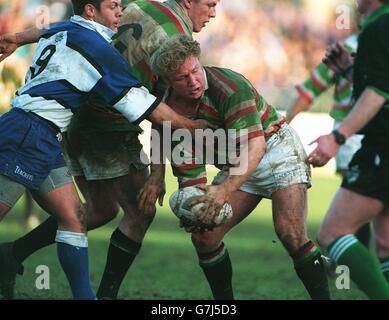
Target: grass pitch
[{"x": 167, "y": 267}]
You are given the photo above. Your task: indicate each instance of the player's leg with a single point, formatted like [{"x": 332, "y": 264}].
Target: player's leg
[
  {"x": 10, "y": 193},
  {"x": 343, "y": 158},
  {"x": 100, "y": 202},
  {"x": 72, "y": 242},
  {"x": 347, "y": 213},
  {"x": 381, "y": 228},
  {"x": 30, "y": 216},
  {"x": 289, "y": 216},
  {"x": 127, "y": 239},
  {"x": 212, "y": 252}
]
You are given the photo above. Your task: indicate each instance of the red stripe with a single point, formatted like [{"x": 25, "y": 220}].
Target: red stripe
[
  {"x": 257, "y": 133},
  {"x": 304, "y": 94},
  {"x": 209, "y": 109},
  {"x": 186, "y": 167},
  {"x": 342, "y": 88},
  {"x": 265, "y": 115},
  {"x": 148, "y": 71},
  {"x": 340, "y": 107},
  {"x": 193, "y": 182},
  {"x": 239, "y": 114},
  {"x": 317, "y": 83},
  {"x": 169, "y": 14},
  {"x": 227, "y": 81},
  {"x": 308, "y": 248},
  {"x": 276, "y": 127}
]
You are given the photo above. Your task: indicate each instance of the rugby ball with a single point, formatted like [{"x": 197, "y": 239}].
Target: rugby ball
[{"x": 180, "y": 202}]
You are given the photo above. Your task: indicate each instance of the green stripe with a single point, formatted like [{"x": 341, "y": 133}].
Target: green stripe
[
  {"x": 159, "y": 16},
  {"x": 380, "y": 92}
]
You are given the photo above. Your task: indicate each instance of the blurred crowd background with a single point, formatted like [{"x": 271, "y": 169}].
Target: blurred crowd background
[{"x": 274, "y": 43}]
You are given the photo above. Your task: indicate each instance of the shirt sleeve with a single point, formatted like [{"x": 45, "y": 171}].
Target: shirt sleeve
[
  {"x": 377, "y": 66},
  {"x": 320, "y": 80}
]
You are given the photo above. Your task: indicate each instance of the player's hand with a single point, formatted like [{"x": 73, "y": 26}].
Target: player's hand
[
  {"x": 326, "y": 149},
  {"x": 204, "y": 124},
  {"x": 154, "y": 189},
  {"x": 193, "y": 227},
  {"x": 213, "y": 200},
  {"x": 8, "y": 45},
  {"x": 337, "y": 58}
]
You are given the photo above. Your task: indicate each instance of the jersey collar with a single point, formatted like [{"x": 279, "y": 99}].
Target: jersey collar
[
  {"x": 179, "y": 11},
  {"x": 105, "y": 32},
  {"x": 375, "y": 15}
]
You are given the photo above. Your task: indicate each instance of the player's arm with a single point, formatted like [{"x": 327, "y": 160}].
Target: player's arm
[
  {"x": 217, "y": 195},
  {"x": 301, "y": 104},
  {"x": 163, "y": 114},
  {"x": 11, "y": 41},
  {"x": 154, "y": 189},
  {"x": 320, "y": 80},
  {"x": 367, "y": 106},
  {"x": 338, "y": 59}
]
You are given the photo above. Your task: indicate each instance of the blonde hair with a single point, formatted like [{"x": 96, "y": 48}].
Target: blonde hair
[{"x": 173, "y": 53}]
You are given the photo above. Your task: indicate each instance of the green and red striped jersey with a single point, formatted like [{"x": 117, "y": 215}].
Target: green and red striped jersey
[
  {"x": 322, "y": 78},
  {"x": 144, "y": 25},
  {"x": 232, "y": 103}
]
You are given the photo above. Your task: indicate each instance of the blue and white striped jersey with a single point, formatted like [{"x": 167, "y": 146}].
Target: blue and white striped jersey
[{"x": 73, "y": 61}]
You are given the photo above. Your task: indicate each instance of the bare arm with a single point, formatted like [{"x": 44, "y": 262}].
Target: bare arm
[
  {"x": 367, "y": 106},
  {"x": 301, "y": 104},
  {"x": 154, "y": 188},
  {"x": 164, "y": 113},
  {"x": 11, "y": 41},
  {"x": 217, "y": 195}
]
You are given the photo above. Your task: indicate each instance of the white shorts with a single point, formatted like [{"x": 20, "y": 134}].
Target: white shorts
[
  {"x": 284, "y": 164},
  {"x": 347, "y": 151}
]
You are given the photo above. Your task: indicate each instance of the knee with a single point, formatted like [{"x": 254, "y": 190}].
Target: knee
[
  {"x": 291, "y": 237},
  {"x": 73, "y": 219},
  {"x": 205, "y": 242}
]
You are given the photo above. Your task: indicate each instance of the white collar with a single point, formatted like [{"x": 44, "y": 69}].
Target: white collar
[{"x": 105, "y": 32}]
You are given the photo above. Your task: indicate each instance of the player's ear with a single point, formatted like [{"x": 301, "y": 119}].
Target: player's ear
[
  {"x": 89, "y": 11},
  {"x": 187, "y": 4}
]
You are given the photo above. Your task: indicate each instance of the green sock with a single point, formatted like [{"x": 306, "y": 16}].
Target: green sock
[
  {"x": 364, "y": 270},
  {"x": 218, "y": 271},
  {"x": 309, "y": 267},
  {"x": 384, "y": 262},
  {"x": 363, "y": 235}
]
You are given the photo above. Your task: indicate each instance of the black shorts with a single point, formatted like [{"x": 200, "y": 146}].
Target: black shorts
[{"x": 368, "y": 173}]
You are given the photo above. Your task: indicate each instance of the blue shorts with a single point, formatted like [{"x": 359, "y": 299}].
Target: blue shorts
[{"x": 29, "y": 148}]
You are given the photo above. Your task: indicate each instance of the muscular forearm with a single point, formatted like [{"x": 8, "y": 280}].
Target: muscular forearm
[
  {"x": 28, "y": 36},
  {"x": 249, "y": 159},
  {"x": 164, "y": 113},
  {"x": 367, "y": 106},
  {"x": 301, "y": 104}
]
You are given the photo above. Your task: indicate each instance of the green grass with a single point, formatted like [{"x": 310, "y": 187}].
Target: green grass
[{"x": 167, "y": 267}]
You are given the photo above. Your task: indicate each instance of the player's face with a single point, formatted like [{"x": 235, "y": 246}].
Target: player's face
[
  {"x": 109, "y": 14},
  {"x": 200, "y": 12},
  {"x": 188, "y": 81},
  {"x": 364, "y": 6}
]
